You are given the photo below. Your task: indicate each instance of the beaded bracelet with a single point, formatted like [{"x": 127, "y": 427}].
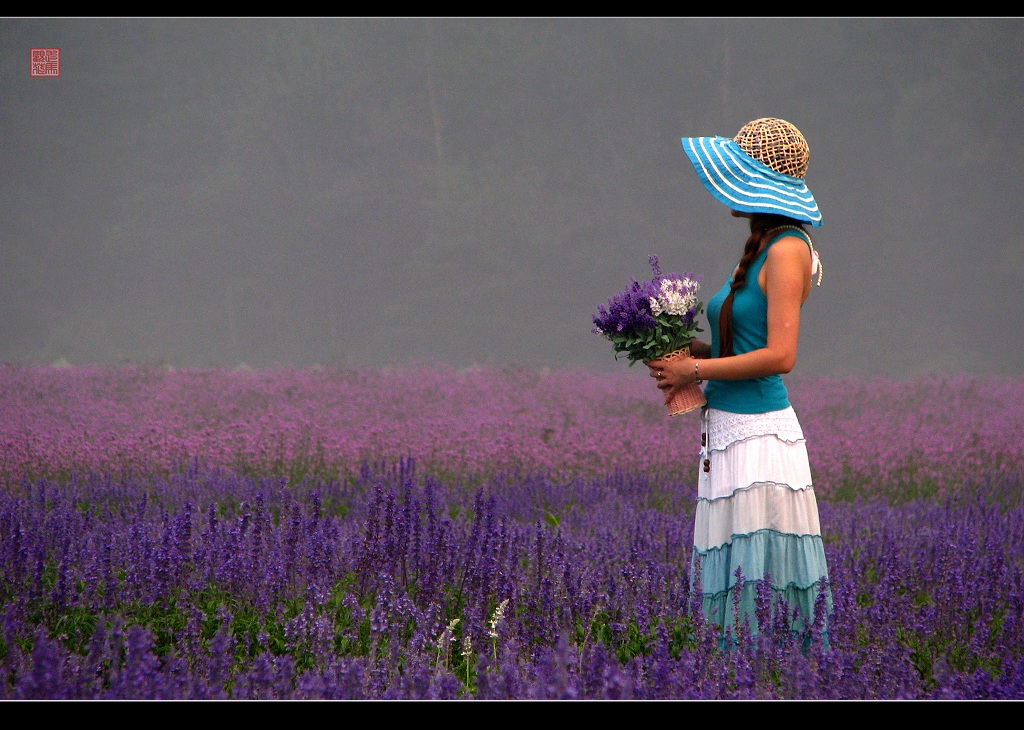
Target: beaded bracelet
[{"x": 696, "y": 370}]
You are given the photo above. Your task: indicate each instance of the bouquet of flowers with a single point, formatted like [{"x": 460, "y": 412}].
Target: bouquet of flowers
[{"x": 655, "y": 319}]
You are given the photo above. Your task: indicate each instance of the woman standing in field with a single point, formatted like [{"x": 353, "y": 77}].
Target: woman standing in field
[{"x": 756, "y": 516}]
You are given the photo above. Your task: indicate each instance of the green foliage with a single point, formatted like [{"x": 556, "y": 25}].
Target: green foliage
[
  {"x": 645, "y": 345},
  {"x": 624, "y": 636},
  {"x": 74, "y": 628}
]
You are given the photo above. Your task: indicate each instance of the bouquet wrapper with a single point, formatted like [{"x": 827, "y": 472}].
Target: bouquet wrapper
[{"x": 687, "y": 398}]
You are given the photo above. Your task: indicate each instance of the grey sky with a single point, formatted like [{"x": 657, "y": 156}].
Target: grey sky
[{"x": 208, "y": 192}]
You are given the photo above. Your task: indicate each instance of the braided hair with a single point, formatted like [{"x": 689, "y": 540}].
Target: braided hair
[{"x": 761, "y": 224}]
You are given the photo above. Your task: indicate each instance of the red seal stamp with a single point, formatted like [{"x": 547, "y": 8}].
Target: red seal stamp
[{"x": 45, "y": 63}]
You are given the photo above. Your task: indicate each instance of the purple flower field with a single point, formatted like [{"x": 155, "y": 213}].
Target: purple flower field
[{"x": 500, "y": 533}]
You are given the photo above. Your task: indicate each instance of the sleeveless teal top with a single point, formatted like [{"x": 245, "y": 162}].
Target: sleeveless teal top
[{"x": 749, "y": 332}]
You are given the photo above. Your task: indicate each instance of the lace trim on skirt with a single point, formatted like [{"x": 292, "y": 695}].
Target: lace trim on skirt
[{"x": 724, "y": 428}]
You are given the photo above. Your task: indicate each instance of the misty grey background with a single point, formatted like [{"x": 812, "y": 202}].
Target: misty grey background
[{"x": 278, "y": 192}]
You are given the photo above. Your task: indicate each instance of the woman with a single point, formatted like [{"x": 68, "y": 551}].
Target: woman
[{"x": 756, "y": 518}]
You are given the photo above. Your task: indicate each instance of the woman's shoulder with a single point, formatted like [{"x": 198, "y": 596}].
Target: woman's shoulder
[
  {"x": 786, "y": 232},
  {"x": 789, "y": 258},
  {"x": 788, "y": 244},
  {"x": 796, "y": 244}
]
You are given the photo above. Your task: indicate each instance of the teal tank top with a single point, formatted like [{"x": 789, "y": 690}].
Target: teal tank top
[{"x": 749, "y": 332}]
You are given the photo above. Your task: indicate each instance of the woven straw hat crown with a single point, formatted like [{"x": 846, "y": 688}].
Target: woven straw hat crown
[{"x": 775, "y": 143}]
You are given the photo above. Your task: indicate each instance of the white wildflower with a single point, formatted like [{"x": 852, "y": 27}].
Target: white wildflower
[
  {"x": 448, "y": 635},
  {"x": 496, "y": 618}
]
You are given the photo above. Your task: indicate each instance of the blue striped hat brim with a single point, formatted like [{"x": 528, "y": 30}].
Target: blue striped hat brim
[{"x": 742, "y": 183}]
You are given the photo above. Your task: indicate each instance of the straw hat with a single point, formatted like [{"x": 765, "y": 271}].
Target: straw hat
[{"x": 760, "y": 170}]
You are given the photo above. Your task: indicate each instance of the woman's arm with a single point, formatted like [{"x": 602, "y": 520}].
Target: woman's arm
[
  {"x": 700, "y": 349},
  {"x": 787, "y": 282}
]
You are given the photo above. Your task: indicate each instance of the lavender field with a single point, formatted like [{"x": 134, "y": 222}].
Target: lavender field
[{"x": 497, "y": 533}]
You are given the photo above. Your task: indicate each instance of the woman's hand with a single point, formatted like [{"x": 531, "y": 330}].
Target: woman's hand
[{"x": 673, "y": 374}]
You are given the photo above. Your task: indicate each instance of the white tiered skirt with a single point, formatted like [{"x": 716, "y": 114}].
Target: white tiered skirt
[{"x": 757, "y": 516}]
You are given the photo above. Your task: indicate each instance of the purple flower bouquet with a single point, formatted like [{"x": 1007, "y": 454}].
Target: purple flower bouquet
[{"x": 655, "y": 319}]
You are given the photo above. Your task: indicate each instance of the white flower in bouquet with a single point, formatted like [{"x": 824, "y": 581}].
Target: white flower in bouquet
[{"x": 676, "y": 297}]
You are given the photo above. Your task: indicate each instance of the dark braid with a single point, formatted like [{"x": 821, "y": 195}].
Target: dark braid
[{"x": 760, "y": 225}]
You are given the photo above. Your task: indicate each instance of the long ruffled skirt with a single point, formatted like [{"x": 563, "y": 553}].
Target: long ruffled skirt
[{"x": 757, "y": 519}]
